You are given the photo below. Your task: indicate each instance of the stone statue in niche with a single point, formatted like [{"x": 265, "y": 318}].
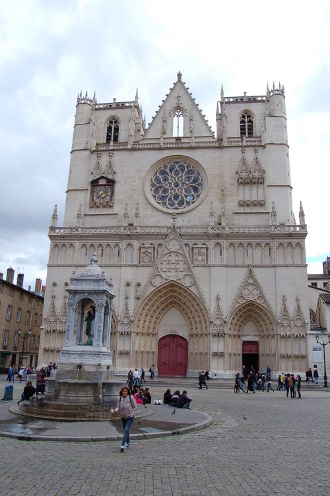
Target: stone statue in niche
[{"x": 89, "y": 329}]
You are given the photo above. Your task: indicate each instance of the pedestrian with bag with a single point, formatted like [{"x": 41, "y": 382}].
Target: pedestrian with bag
[{"x": 126, "y": 408}]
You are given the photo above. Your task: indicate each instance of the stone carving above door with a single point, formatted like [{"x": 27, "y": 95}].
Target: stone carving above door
[
  {"x": 251, "y": 291},
  {"x": 173, "y": 264}
]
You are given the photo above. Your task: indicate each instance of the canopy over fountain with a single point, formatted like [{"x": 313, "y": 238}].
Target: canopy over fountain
[
  {"x": 83, "y": 387},
  {"x": 88, "y": 324}
]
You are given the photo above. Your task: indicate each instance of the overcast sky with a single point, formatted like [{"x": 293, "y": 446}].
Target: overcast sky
[{"x": 50, "y": 50}]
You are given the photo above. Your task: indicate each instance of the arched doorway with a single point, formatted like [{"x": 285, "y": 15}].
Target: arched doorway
[
  {"x": 252, "y": 323},
  {"x": 172, "y": 356},
  {"x": 171, "y": 297}
]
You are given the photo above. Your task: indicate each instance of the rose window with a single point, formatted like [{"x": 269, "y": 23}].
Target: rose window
[{"x": 176, "y": 185}]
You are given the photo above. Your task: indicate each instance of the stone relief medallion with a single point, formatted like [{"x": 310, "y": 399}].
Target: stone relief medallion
[
  {"x": 187, "y": 280},
  {"x": 251, "y": 292},
  {"x": 157, "y": 280},
  {"x": 173, "y": 266},
  {"x": 173, "y": 244}
]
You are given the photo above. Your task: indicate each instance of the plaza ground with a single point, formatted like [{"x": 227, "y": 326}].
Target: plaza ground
[{"x": 258, "y": 444}]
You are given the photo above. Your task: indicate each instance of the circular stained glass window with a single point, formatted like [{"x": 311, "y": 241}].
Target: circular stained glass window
[{"x": 176, "y": 185}]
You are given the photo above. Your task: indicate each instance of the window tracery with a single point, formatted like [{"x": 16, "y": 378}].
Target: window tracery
[
  {"x": 112, "y": 131},
  {"x": 176, "y": 185},
  {"x": 178, "y": 118},
  {"x": 246, "y": 125}
]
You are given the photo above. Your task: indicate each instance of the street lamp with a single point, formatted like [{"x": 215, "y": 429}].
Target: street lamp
[
  {"x": 24, "y": 337},
  {"x": 324, "y": 344}
]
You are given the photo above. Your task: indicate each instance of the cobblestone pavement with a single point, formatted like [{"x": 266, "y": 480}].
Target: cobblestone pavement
[{"x": 259, "y": 444}]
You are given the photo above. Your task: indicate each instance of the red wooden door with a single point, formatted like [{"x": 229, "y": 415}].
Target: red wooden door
[
  {"x": 250, "y": 347},
  {"x": 172, "y": 356}
]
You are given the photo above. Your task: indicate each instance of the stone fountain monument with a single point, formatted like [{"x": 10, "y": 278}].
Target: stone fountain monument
[{"x": 83, "y": 387}]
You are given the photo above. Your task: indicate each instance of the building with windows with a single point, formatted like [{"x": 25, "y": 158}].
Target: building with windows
[
  {"x": 194, "y": 227},
  {"x": 20, "y": 321},
  {"x": 319, "y": 310}
]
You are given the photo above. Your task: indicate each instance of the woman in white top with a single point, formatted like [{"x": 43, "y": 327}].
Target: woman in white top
[{"x": 126, "y": 408}]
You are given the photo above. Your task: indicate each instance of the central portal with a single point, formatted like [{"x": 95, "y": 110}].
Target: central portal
[
  {"x": 250, "y": 355},
  {"x": 172, "y": 356}
]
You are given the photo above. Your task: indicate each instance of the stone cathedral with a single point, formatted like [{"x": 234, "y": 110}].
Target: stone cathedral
[{"x": 195, "y": 230}]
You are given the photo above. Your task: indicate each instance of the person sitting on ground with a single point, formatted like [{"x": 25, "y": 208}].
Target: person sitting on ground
[
  {"x": 147, "y": 395},
  {"x": 167, "y": 397},
  {"x": 175, "y": 397},
  {"x": 28, "y": 392},
  {"x": 183, "y": 400}
]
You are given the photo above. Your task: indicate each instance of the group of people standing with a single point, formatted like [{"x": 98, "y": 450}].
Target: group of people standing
[
  {"x": 289, "y": 383},
  {"x": 250, "y": 381},
  {"x": 138, "y": 377},
  {"x": 312, "y": 376},
  {"x": 253, "y": 381}
]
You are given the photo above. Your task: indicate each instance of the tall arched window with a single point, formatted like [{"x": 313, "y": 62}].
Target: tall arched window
[
  {"x": 178, "y": 123},
  {"x": 246, "y": 125},
  {"x": 112, "y": 131}
]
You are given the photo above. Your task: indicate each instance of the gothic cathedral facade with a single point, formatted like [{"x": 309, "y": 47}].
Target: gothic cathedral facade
[{"x": 194, "y": 228}]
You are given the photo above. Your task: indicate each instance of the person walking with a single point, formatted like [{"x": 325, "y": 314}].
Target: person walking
[
  {"x": 143, "y": 376},
  {"x": 202, "y": 380},
  {"x": 316, "y": 374},
  {"x": 130, "y": 380},
  {"x": 126, "y": 408},
  {"x": 298, "y": 382},
  {"x": 21, "y": 374},
  {"x": 269, "y": 383},
  {"x": 238, "y": 384},
  {"x": 10, "y": 376},
  {"x": 152, "y": 371}
]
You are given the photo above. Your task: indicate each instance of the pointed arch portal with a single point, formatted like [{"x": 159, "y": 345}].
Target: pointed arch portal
[
  {"x": 257, "y": 347},
  {"x": 146, "y": 338}
]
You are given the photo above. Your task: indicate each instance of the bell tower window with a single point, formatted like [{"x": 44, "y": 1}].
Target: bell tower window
[
  {"x": 112, "y": 131},
  {"x": 246, "y": 125},
  {"x": 178, "y": 123}
]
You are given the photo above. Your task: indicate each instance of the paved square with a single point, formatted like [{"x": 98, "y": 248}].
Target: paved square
[{"x": 259, "y": 444}]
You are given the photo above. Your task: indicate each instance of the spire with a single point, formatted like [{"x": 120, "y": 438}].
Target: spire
[
  {"x": 125, "y": 215},
  {"x": 273, "y": 215},
  {"x": 302, "y": 219},
  {"x": 211, "y": 214},
  {"x": 137, "y": 95},
  {"x": 222, "y": 95},
  {"x": 179, "y": 76},
  {"x": 223, "y": 215},
  {"x": 137, "y": 215},
  {"x": 54, "y": 217},
  {"x": 79, "y": 216}
]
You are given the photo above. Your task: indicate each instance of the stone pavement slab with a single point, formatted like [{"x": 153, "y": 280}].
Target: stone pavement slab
[{"x": 259, "y": 445}]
